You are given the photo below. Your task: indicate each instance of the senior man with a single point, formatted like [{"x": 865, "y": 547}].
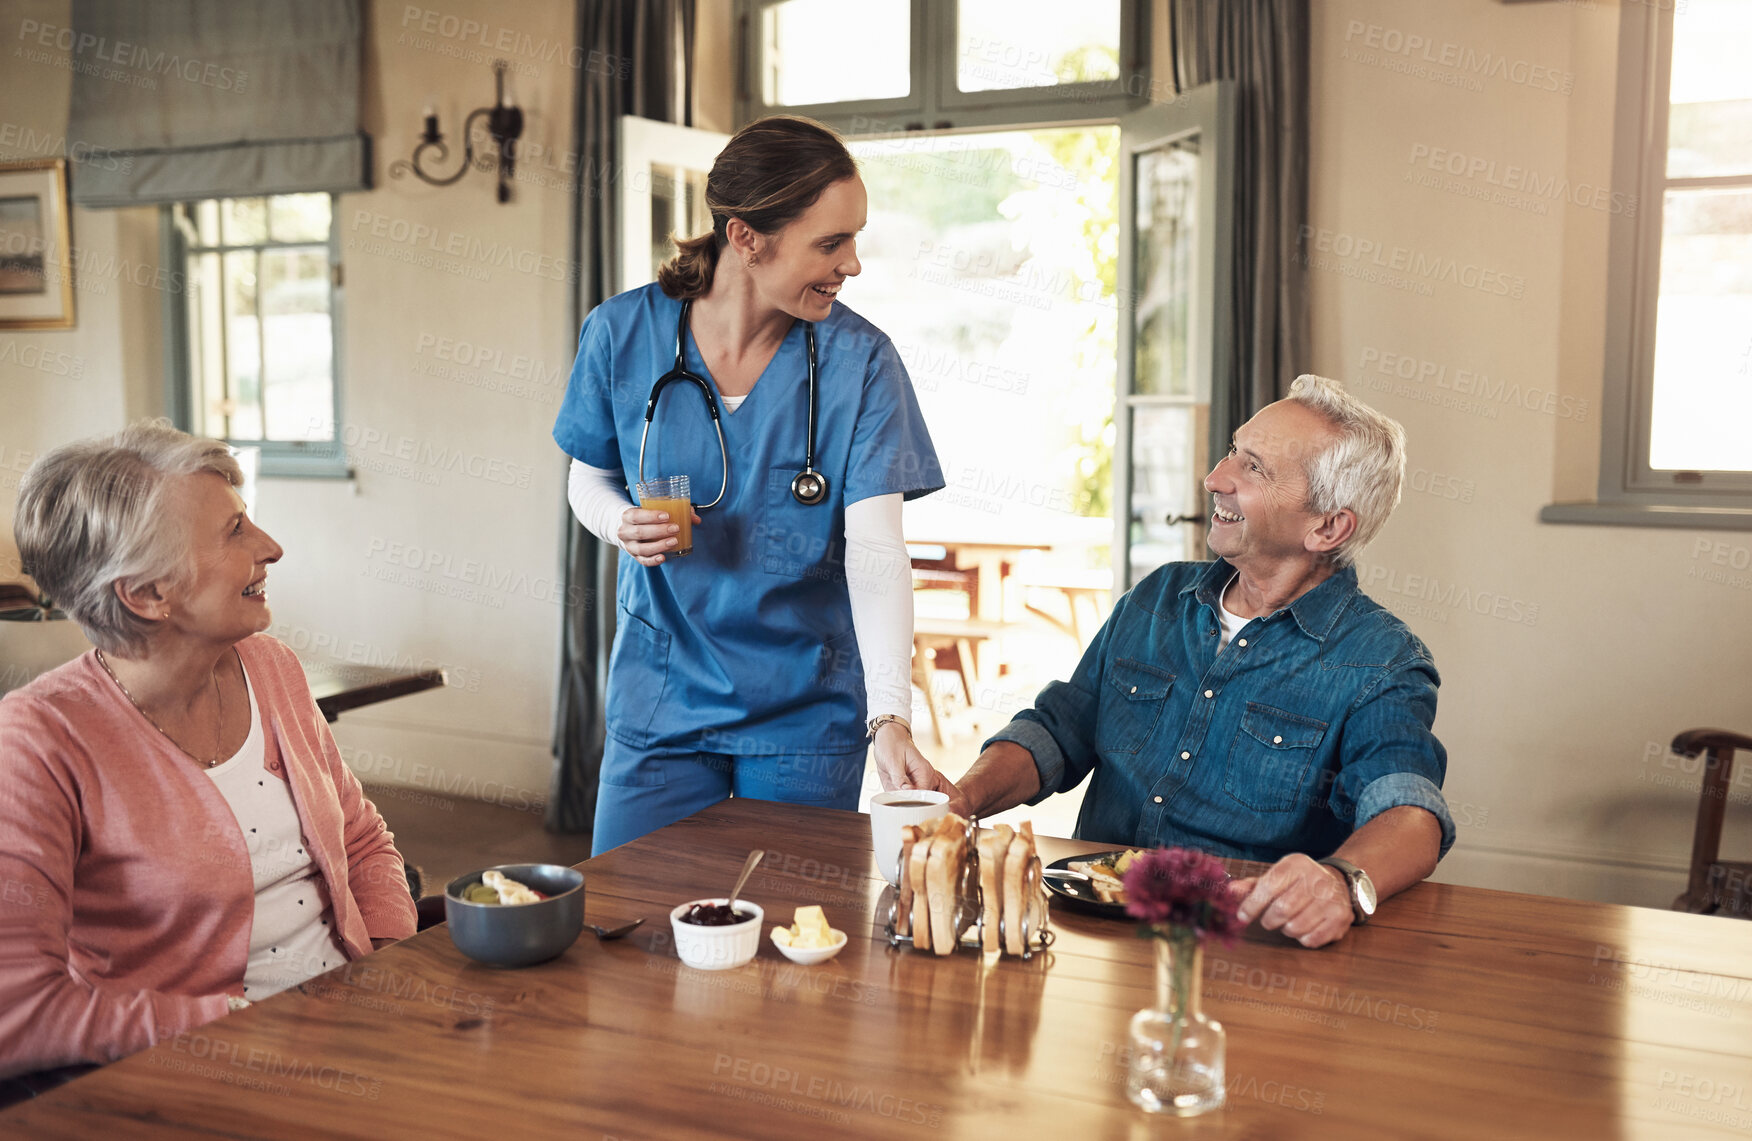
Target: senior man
[{"x": 1259, "y": 706}]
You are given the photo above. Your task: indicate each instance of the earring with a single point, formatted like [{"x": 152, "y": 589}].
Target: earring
[{"x": 750, "y": 261}]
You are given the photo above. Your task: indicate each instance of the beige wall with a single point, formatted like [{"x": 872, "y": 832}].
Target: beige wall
[
  {"x": 1556, "y": 721},
  {"x": 455, "y": 349}
]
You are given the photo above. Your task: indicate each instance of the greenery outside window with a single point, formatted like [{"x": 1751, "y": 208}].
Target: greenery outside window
[{"x": 254, "y": 330}]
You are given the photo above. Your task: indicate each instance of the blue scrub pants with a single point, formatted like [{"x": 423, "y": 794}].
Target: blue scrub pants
[{"x": 644, "y": 789}]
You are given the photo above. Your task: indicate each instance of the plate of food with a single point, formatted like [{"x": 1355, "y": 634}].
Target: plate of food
[{"x": 1092, "y": 883}]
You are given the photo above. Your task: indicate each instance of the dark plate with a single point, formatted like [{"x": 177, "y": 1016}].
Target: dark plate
[{"x": 1079, "y": 896}]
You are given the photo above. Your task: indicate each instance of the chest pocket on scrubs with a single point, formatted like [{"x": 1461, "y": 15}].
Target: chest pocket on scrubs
[
  {"x": 793, "y": 540},
  {"x": 1270, "y": 759},
  {"x": 1130, "y": 706},
  {"x": 641, "y": 654}
]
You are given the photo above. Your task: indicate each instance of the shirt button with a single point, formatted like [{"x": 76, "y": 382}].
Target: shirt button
[
  {"x": 1134, "y": 689},
  {"x": 1158, "y": 800},
  {"x": 1210, "y": 693},
  {"x": 1186, "y": 756},
  {"x": 1277, "y": 740},
  {"x": 1243, "y": 641}
]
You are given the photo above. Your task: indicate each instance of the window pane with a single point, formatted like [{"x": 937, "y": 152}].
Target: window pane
[
  {"x": 990, "y": 260},
  {"x": 207, "y": 345},
  {"x": 298, "y": 390},
  {"x": 243, "y": 347},
  {"x": 1167, "y": 194},
  {"x": 1709, "y": 130},
  {"x": 1006, "y": 44},
  {"x": 246, "y": 220},
  {"x": 299, "y": 217},
  {"x": 1163, "y": 484},
  {"x": 836, "y": 51},
  {"x": 1703, "y": 334}
]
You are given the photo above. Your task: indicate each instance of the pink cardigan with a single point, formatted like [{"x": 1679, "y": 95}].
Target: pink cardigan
[{"x": 126, "y": 896}]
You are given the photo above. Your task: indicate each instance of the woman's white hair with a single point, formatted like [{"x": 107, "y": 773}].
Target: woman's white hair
[
  {"x": 93, "y": 514},
  {"x": 1363, "y": 470}
]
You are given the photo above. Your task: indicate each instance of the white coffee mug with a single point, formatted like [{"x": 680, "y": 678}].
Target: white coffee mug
[{"x": 892, "y": 811}]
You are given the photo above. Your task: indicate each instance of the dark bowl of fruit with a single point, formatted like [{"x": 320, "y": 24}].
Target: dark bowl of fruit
[{"x": 516, "y": 914}]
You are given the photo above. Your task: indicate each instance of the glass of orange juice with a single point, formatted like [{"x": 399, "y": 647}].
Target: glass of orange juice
[{"x": 671, "y": 494}]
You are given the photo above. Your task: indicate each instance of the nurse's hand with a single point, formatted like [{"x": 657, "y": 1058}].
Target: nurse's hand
[
  {"x": 899, "y": 764},
  {"x": 649, "y": 535}
]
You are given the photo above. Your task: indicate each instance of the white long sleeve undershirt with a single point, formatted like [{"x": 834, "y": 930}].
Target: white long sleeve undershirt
[{"x": 878, "y": 577}]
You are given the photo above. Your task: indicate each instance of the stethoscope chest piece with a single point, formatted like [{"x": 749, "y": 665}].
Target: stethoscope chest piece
[{"x": 809, "y": 487}]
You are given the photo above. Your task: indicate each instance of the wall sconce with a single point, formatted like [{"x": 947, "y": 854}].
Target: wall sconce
[{"x": 504, "y": 124}]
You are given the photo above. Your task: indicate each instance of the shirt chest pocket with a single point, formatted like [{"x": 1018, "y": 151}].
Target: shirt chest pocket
[
  {"x": 1131, "y": 705},
  {"x": 1271, "y": 758},
  {"x": 797, "y": 540}
]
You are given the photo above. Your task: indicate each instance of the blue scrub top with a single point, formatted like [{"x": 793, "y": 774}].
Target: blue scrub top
[{"x": 744, "y": 647}]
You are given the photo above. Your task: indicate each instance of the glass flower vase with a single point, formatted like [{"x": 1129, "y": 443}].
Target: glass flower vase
[{"x": 1177, "y": 1053}]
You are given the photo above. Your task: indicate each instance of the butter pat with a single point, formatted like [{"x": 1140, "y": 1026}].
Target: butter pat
[{"x": 810, "y": 930}]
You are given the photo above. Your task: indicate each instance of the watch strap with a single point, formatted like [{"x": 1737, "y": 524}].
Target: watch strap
[
  {"x": 1352, "y": 877},
  {"x": 878, "y": 722}
]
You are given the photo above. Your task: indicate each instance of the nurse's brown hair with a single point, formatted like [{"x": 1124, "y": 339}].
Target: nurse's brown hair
[{"x": 767, "y": 174}]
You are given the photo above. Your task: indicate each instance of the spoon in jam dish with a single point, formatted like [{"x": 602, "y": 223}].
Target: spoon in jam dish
[{"x": 747, "y": 870}]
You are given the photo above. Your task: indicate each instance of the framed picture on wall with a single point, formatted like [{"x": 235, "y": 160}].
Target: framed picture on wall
[{"x": 36, "y": 259}]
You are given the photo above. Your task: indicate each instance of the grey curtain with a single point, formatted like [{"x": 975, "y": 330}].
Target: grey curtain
[
  {"x": 640, "y": 62},
  {"x": 1262, "y": 45},
  {"x": 177, "y": 100}
]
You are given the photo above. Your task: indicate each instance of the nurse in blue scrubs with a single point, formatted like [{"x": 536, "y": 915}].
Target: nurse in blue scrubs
[{"x": 768, "y": 661}]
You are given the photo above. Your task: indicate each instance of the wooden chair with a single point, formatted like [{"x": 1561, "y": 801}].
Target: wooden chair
[
  {"x": 945, "y": 644},
  {"x": 1717, "y": 887}
]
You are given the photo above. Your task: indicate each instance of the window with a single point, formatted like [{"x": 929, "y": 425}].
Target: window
[
  {"x": 254, "y": 327},
  {"x": 885, "y": 66},
  {"x": 1678, "y": 392}
]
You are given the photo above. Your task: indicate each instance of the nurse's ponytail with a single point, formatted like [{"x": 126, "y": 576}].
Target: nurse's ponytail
[{"x": 767, "y": 174}]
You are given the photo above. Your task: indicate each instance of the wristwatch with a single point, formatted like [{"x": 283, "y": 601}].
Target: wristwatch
[
  {"x": 1362, "y": 888},
  {"x": 878, "y": 722}
]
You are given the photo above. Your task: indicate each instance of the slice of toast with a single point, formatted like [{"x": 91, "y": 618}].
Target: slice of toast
[
  {"x": 909, "y": 835},
  {"x": 943, "y": 879},
  {"x": 1016, "y": 862},
  {"x": 917, "y": 865},
  {"x": 994, "y": 845}
]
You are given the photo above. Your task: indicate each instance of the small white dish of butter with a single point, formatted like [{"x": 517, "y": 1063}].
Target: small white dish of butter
[{"x": 809, "y": 940}]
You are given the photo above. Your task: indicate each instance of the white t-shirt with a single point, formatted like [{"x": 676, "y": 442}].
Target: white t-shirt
[
  {"x": 293, "y": 937},
  {"x": 1228, "y": 620}
]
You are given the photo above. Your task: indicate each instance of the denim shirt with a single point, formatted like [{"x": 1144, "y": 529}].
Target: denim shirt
[{"x": 1313, "y": 720}]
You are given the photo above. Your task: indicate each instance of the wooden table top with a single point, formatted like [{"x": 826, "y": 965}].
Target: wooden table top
[
  {"x": 1457, "y": 1013},
  {"x": 340, "y": 686}
]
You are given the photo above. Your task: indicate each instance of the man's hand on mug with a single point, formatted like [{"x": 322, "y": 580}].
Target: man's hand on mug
[
  {"x": 899, "y": 764},
  {"x": 649, "y": 535}
]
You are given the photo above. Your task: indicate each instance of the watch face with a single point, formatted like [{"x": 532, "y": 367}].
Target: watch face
[{"x": 1365, "y": 893}]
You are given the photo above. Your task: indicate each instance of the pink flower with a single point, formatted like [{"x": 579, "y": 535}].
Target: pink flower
[{"x": 1182, "y": 889}]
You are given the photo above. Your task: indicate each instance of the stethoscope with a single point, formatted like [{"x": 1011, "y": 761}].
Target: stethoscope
[{"x": 809, "y": 487}]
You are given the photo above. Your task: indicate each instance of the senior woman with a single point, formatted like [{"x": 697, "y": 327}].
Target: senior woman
[{"x": 178, "y": 832}]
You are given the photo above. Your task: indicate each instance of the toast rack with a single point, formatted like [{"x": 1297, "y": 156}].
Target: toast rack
[{"x": 969, "y": 912}]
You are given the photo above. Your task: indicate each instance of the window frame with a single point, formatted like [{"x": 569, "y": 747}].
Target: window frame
[
  {"x": 300, "y": 459},
  {"x": 935, "y": 102},
  {"x": 1629, "y": 490}
]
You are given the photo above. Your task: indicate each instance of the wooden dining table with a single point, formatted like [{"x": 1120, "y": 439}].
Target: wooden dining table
[{"x": 1457, "y": 1012}]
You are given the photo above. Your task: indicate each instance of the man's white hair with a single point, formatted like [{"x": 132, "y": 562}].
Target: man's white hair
[{"x": 1363, "y": 470}]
